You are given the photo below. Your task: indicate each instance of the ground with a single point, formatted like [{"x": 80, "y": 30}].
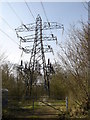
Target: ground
[
  {"x": 38, "y": 109},
  {"x": 34, "y": 109}
]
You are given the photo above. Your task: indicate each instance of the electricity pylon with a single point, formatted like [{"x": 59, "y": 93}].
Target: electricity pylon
[{"x": 38, "y": 50}]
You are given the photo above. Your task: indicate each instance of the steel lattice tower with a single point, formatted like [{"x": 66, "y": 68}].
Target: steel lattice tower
[
  {"x": 37, "y": 59},
  {"x": 38, "y": 51}
]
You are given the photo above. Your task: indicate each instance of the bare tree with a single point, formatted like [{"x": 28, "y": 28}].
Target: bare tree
[{"x": 74, "y": 59}]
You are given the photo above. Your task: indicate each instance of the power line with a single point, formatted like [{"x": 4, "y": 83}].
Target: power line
[
  {"x": 85, "y": 6},
  {"x": 34, "y": 9},
  {"x": 29, "y": 9},
  {"x": 8, "y": 36},
  {"x": 14, "y": 12},
  {"x": 7, "y": 23},
  {"x": 48, "y": 20},
  {"x": 46, "y": 16},
  {"x": 44, "y": 12},
  {"x": 87, "y": 3},
  {"x": 13, "y": 41}
]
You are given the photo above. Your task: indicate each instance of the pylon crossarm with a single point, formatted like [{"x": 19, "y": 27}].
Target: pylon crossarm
[
  {"x": 49, "y": 38},
  {"x": 27, "y": 38},
  {"x": 31, "y": 39},
  {"x": 26, "y": 28},
  {"x": 26, "y": 49},
  {"x": 52, "y": 25},
  {"x": 45, "y": 26}
]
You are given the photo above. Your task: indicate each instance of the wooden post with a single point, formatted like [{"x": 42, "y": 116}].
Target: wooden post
[
  {"x": 33, "y": 105},
  {"x": 66, "y": 103}
]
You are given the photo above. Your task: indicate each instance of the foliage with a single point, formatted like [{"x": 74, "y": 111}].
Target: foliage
[
  {"x": 74, "y": 59},
  {"x": 10, "y": 82},
  {"x": 58, "y": 88}
]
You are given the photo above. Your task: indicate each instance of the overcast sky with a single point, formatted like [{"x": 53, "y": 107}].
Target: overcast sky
[{"x": 65, "y": 13}]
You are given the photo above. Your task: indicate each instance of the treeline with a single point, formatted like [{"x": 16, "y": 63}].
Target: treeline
[
  {"x": 12, "y": 81},
  {"x": 73, "y": 57}
]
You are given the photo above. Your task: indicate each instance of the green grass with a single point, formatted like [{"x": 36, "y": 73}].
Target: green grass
[{"x": 25, "y": 109}]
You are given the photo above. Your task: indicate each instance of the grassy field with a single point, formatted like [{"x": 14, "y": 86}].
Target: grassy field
[
  {"x": 38, "y": 109},
  {"x": 34, "y": 109}
]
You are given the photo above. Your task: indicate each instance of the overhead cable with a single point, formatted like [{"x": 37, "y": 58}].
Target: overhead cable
[
  {"x": 29, "y": 9},
  {"x": 14, "y": 12},
  {"x": 7, "y": 23},
  {"x": 9, "y": 36}
]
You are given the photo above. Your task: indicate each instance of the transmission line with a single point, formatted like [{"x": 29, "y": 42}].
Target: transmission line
[
  {"x": 13, "y": 41},
  {"x": 44, "y": 12},
  {"x": 84, "y": 6},
  {"x": 34, "y": 9},
  {"x": 48, "y": 21},
  {"x": 29, "y": 9},
  {"x": 14, "y": 12},
  {"x": 46, "y": 15},
  {"x": 7, "y": 23},
  {"x": 8, "y": 36}
]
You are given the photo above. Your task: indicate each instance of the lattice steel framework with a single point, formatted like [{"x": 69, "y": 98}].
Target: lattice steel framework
[{"x": 37, "y": 59}]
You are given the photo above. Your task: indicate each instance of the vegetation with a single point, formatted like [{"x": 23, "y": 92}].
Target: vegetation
[
  {"x": 70, "y": 80},
  {"x": 74, "y": 58},
  {"x": 58, "y": 89}
]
